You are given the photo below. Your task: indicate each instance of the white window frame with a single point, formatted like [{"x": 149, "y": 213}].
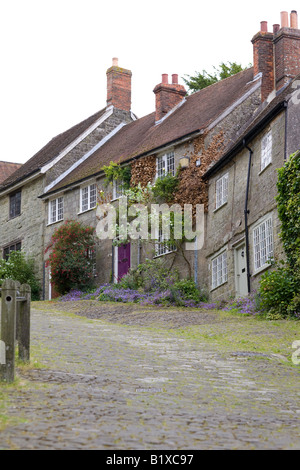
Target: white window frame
[
  {"x": 266, "y": 150},
  {"x": 221, "y": 190},
  {"x": 118, "y": 189},
  {"x": 219, "y": 270},
  {"x": 56, "y": 210},
  {"x": 263, "y": 244},
  {"x": 88, "y": 197},
  {"x": 160, "y": 247},
  {"x": 165, "y": 164}
]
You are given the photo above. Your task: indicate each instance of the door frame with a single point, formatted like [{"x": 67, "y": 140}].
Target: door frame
[
  {"x": 116, "y": 263},
  {"x": 237, "y": 246}
]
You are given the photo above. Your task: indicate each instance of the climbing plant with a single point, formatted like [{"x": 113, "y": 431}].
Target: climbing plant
[
  {"x": 280, "y": 288},
  {"x": 114, "y": 171}
]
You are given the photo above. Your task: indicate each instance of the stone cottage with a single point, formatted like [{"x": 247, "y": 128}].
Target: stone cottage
[
  {"x": 24, "y": 217},
  {"x": 207, "y": 135},
  {"x": 242, "y": 221},
  {"x": 194, "y": 128}
]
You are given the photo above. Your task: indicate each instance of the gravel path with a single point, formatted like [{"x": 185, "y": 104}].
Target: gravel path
[{"x": 120, "y": 378}]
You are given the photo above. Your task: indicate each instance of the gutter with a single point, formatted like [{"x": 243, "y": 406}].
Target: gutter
[{"x": 246, "y": 212}]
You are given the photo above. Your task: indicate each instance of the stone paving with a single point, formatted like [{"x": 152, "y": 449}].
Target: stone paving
[{"x": 107, "y": 385}]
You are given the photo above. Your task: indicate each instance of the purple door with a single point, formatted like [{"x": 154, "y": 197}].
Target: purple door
[{"x": 123, "y": 260}]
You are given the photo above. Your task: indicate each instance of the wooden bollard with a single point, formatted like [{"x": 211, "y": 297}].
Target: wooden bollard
[
  {"x": 23, "y": 323},
  {"x": 8, "y": 330}
]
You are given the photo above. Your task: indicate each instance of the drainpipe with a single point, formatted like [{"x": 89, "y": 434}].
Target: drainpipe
[{"x": 246, "y": 212}]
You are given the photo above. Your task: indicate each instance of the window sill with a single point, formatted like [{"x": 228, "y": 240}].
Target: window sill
[
  {"x": 220, "y": 207},
  {"x": 87, "y": 210},
  {"x": 267, "y": 166},
  {"x": 164, "y": 254},
  {"x": 215, "y": 288},
  {"x": 56, "y": 222},
  {"x": 262, "y": 269}
]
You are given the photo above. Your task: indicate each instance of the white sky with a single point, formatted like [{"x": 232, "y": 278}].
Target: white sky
[{"x": 55, "y": 53}]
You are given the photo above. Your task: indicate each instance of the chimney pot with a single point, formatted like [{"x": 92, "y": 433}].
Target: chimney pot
[
  {"x": 175, "y": 79},
  {"x": 264, "y": 26},
  {"x": 294, "y": 19},
  {"x": 115, "y": 62},
  {"x": 164, "y": 78},
  {"x": 276, "y": 28},
  {"x": 284, "y": 19}
]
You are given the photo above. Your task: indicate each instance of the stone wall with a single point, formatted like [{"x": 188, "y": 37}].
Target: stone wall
[
  {"x": 28, "y": 227},
  {"x": 88, "y": 143}
]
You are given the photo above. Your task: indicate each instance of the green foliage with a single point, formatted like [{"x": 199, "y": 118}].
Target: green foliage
[
  {"x": 204, "y": 79},
  {"x": 277, "y": 290},
  {"x": 69, "y": 259},
  {"x": 114, "y": 171},
  {"x": 165, "y": 187},
  {"x": 280, "y": 289},
  {"x": 152, "y": 275},
  {"x": 20, "y": 268},
  {"x": 288, "y": 200},
  {"x": 189, "y": 290}
]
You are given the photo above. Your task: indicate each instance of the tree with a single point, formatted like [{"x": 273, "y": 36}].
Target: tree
[
  {"x": 204, "y": 79},
  {"x": 70, "y": 261}
]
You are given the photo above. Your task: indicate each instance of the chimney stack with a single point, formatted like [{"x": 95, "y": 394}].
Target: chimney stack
[
  {"x": 167, "y": 95},
  {"x": 294, "y": 19},
  {"x": 276, "y": 55},
  {"x": 118, "y": 87}
]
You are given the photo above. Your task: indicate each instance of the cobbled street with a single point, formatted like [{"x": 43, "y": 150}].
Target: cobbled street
[{"x": 126, "y": 381}]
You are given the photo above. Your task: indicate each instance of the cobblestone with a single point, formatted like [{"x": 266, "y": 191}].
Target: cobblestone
[{"x": 121, "y": 379}]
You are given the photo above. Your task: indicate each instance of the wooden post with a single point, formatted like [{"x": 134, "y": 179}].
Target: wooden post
[
  {"x": 23, "y": 324},
  {"x": 8, "y": 329}
]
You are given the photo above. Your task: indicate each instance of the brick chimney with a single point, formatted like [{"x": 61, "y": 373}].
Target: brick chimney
[
  {"x": 263, "y": 60},
  {"x": 118, "y": 87},
  {"x": 276, "y": 55},
  {"x": 287, "y": 49},
  {"x": 167, "y": 95}
]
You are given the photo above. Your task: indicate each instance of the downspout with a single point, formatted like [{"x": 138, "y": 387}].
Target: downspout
[
  {"x": 285, "y": 131},
  {"x": 246, "y": 212}
]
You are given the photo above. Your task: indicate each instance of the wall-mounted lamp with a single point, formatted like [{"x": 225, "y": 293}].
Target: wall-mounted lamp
[
  {"x": 184, "y": 162},
  {"x": 198, "y": 162}
]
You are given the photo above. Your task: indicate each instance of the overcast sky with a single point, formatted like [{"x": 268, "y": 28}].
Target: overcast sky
[{"x": 55, "y": 53}]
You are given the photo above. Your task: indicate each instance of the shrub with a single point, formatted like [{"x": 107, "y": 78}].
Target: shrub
[
  {"x": 189, "y": 290},
  {"x": 277, "y": 290},
  {"x": 20, "y": 268},
  {"x": 152, "y": 275},
  {"x": 69, "y": 259}
]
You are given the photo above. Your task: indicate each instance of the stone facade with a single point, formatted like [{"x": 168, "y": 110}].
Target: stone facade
[
  {"x": 31, "y": 226},
  {"x": 226, "y": 224}
]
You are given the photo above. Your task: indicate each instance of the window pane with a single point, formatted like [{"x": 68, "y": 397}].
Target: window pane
[
  {"x": 171, "y": 163},
  {"x": 219, "y": 270},
  {"x": 93, "y": 196},
  {"x": 85, "y": 199},
  {"x": 15, "y": 204},
  {"x": 53, "y": 211},
  {"x": 263, "y": 244},
  {"x": 60, "y": 208}
]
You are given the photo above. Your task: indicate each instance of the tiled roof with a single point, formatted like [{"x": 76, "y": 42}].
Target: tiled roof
[
  {"x": 144, "y": 136},
  {"x": 255, "y": 125},
  {"x": 7, "y": 169},
  {"x": 50, "y": 151}
]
